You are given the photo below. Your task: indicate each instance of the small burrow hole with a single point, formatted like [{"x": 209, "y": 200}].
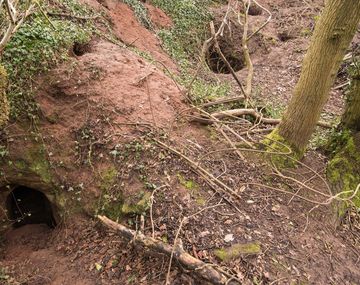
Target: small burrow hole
[
  {"x": 29, "y": 206},
  {"x": 80, "y": 49},
  {"x": 217, "y": 65},
  {"x": 285, "y": 36},
  {"x": 255, "y": 10}
]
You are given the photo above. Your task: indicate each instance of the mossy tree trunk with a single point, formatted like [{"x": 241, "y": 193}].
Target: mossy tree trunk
[
  {"x": 333, "y": 34},
  {"x": 351, "y": 117},
  {"x": 4, "y": 105},
  {"x": 343, "y": 169}
]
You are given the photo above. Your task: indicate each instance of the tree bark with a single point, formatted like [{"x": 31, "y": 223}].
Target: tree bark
[
  {"x": 351, "y": 116},
  {"x": 333, "y": 34},
  {"x": 4, "y": 105},
  {"x": 343, "y": 169}
]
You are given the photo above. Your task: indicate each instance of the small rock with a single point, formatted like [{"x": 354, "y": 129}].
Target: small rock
[{"x": 229, "y": 238}]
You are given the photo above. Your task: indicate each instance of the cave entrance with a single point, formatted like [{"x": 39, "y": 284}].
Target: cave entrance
[
  {"x": 217, "y": 65},
  {"x": 29, "y": 206}
]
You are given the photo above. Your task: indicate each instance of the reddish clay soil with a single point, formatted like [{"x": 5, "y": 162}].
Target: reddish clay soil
[
  {"x": 158, "y": 17},
  {"x": 128, "y": 30},
  {"x": 110, "y": 96}
]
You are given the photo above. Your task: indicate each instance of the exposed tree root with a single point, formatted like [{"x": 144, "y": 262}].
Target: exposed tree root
[
  {"x": 198, "y": 268},
  {"x": 258, "y": 116}
]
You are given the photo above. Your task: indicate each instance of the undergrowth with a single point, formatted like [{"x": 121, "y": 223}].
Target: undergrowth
[
  {"x": 190, "y": 17},
  {"x": 140, "y": 12},
  {"x": 40, "y": 44},
  {"x": 184, "y": 41}
]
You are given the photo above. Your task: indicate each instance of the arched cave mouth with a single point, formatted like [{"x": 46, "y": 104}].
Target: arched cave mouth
[
  {"x": 217, "y": 65},
  {"x": 29, "y": 206}
]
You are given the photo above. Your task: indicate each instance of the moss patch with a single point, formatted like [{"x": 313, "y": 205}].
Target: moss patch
[
  {"x": 343, "y": 170},
  {"x": 34, "y": 161},
  {"x": 108, "y": 179},
  {"x": 113, "y": 203},
  {"x": 39, "y": 163},
  {"x": 274, "y": 142},
  {"x": 193, "y": 187},
  {"x": 139, "y": 207},
  {"x": 227, "y": 254}
]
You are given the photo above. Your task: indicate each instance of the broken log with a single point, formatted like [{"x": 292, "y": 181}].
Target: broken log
[{"x": 200, "y": 269}]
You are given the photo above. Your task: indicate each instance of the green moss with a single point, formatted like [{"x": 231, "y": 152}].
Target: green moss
[
  {"x": 139, "y": 207},
  {"x": 108, "y": 178},
  {"x": 226, "y": 254},
  {"x": 113, "y": 204},
  {"x": 274, "y": 142},
  {"x": 39, "y": 163},
  {"x": 111, "y": 199},
  {"x": 188, "y": 184},
  {"x": 34, "y": 161},
  {"x": 343, "y": 170},
  {"x": 193, "y": 187}
]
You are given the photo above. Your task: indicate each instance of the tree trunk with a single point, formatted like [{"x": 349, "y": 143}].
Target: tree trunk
[
  {"x": 351, "y": 117},
  {"x": 333, "y": 34},
  {"x": 343, "y": 169},
  {"x": 4, "y": 106}
]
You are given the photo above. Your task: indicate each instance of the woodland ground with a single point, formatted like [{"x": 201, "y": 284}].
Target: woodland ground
[{"x": 299, "y": 244}]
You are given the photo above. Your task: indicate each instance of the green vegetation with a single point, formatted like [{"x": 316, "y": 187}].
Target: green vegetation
[
  {"x": 113, "y": 203},
  {"x": 190, "y": 18},
  {"x": 38, "y": 45},
  {"x": 184, "y": 42},
  {"x": 140, "y": 12},
  {"x": 287, "y": 157},
  {"x": 193, "y": 188},
  {"x": 343, "y": 169},
  {"x": 227, "y": 254},
  {"x": 139, "y": 207}
]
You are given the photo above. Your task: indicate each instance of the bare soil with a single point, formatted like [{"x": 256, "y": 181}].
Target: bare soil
[{"x": 110, "y": 96}]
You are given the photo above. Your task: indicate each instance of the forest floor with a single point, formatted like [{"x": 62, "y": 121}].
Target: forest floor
[{"x": 288, "y": 230}]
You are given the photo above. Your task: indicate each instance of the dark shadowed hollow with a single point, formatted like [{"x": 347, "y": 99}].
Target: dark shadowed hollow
[{"x": 29, "y": 206}]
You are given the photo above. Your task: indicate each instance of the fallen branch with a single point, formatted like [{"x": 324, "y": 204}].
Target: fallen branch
[
  {"x": 257, "y": 116},
  {"x": 223, "y": 101},
  {"x": 199, "y": 268}
]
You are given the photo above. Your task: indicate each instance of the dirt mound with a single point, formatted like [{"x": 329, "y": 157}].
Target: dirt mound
[
  {"x": 130, "y": 31},
  {"x": 93, "y": 103}
]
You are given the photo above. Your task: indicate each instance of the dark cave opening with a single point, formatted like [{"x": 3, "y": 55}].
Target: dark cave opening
[
  {"x": 80, "y": 49},
  {"x": 29, "y": 206},
  {"x": 217, "y": 65}
]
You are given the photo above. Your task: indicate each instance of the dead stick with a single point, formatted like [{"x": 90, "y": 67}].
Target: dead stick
[{"x": 199, "y": 268}]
